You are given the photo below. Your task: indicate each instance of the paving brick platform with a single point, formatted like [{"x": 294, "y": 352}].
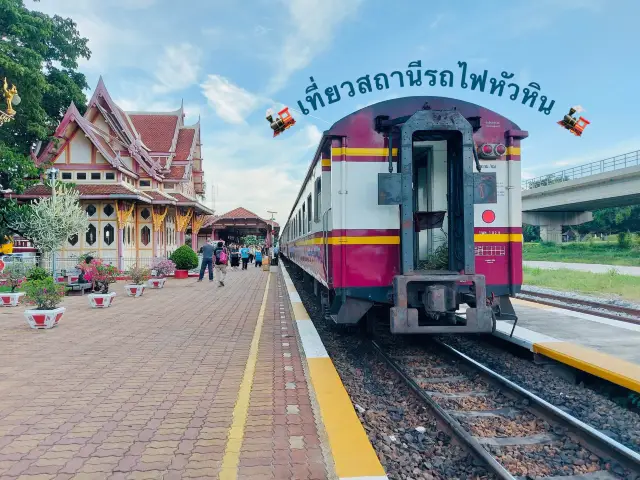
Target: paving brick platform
[{"x": 168, "y": 385}]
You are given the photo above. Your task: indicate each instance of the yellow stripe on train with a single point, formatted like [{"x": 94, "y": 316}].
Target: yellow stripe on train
[
  {"x": 326, "y": 162},
  {"x": 363, "y": 152},
  {"x": 384, "y": 152},
  {"x": 395, "y": 240}
]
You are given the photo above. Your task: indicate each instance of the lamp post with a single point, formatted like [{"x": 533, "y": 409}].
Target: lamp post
[{"x": 52, "y": 175}]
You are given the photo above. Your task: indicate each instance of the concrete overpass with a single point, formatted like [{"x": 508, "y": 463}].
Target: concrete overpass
[{"x": 568, "y": 197}]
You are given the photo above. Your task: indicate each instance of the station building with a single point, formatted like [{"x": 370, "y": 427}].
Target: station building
[{"x": 140, "y": 179}]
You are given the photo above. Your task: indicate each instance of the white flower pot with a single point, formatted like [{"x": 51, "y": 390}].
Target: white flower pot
[
  {"x": 101, "y": 300},
  {"x": 44, "y": 319},
  {"x": 156, "y": 282},
  {"x": 134, "y": 290},
  {"x": 10, "y": 299}
]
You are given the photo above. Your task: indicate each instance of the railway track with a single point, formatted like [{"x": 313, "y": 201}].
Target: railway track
[
  {"x": 514, "y": 432},
  {"x": 602, "y": 309}
]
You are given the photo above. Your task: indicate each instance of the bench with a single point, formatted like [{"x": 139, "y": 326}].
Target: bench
[{"x": 79, "y": 287}]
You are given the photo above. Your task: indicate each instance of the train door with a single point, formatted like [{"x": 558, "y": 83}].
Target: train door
[
  {"x": 430, "y": 201},
  {"x": 323, "y": 194}
]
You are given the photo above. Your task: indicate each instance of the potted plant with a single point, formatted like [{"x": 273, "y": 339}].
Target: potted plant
[
  {"x": 138, "y": 276},
  {"x": 160, "y": 268},
  {"x": 13, "y": 275},
  {"x": 185, "y": 259},
  {"x": 46, "y": 295},
  {"x": 104, "y": 274}
]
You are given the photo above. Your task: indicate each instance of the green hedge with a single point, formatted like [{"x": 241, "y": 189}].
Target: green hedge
[{"x": 185, "y": 258}]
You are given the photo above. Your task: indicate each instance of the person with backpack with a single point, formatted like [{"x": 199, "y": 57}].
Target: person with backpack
[
  {"x": 244, "y": 253},
  {"x": 222, "y": 257}
]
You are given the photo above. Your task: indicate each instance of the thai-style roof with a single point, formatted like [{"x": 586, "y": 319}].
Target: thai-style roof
[
  {"x": 152, "y": 139},
  {"x": 242, "y": 213}
]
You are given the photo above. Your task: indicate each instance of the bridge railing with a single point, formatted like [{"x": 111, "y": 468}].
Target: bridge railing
[{"x": 618, "y": 162}]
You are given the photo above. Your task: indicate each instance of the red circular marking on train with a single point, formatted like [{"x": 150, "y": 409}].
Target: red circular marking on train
[
  {"x": 488, "y": 216},
  {"x": 501, "y": 149},
  {"x": 487, "y": 149}
]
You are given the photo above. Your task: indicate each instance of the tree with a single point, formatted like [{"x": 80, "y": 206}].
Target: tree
[
  {"x": 51, "y": 221},
  {"x": 39, "y": 54},
  {"x": 250, "y": 240},
  {"x": 530, "y": 233}
]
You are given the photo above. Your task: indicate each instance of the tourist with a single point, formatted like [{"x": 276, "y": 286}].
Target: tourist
[
  {"x": 235, "y": 256},
  {"x": 221, "y": 256},
  {"x": 252, "y": 253},
  {"x": 207, "y": 260},
  {"x": 244, "y": 254},
  {"x": 258, "y": 258}
]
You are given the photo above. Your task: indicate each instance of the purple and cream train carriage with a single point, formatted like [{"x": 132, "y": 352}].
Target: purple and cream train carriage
[{"x": 394, "y": 210}]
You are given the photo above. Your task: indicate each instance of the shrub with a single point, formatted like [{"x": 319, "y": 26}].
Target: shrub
[
  {"x": 185, "y": 258},
  {"x": 104, "y": 275},
  {"x": 625, "y": 240},
  {"x": 44, "y": 294},
  {"x": 37, "y": 273},
  {"x": 14, "y": 274},
  {"x": 139, "y": 275},
  {"x": 163, "y": 267}
]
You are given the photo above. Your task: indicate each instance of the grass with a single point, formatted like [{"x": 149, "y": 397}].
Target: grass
[
  {"x": 600, "y": 284},
  {"x": 607, "y": 253}
]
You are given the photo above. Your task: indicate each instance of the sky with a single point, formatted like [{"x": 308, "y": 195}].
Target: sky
[{"x": 231, "y": 60}]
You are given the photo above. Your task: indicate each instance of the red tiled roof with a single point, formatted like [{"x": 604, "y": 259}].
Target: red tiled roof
[
  {"x": 239, "y": 212},
  {"x": 176, "y": 172},
  {"x": 92, "y": 189},
  {"x": 156, "y": 195},
  {"x": 156, "y": 131},
  {"x": 181, "y": 198},
  {"x": 183, "y": 145}
]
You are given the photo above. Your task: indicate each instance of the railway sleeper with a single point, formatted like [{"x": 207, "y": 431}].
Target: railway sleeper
[
  {"x": 537, "y": 439},
  {"x": 508, "y": 412}
]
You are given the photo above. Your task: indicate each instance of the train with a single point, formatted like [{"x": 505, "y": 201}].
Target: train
[{"x": 413, "y": 204}]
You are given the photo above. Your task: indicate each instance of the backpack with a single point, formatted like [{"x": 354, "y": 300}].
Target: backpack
[{"x": 222, "y": 256}]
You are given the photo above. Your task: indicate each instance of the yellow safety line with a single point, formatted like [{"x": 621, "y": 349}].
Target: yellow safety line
[{"x": 231, "y": 458}]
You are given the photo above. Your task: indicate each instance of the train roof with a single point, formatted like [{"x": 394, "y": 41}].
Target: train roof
[
  {"x": 354, "y": 123},
  {"x": 358, "y": 126}
]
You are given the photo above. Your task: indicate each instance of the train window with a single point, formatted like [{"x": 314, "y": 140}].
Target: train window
[
  {"x": 299, "y": 222},
  {"x": 304, "y": 219},
  {"x": 485, "y": 188},
  {"x": 317, "y": 210},
  {"x": 309, "y": 213}
]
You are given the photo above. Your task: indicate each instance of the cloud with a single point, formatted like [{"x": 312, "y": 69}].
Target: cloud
[
  {"x": 305, "y": 38},
  {"x": 251, "y": 169},
  {"x": 232, "y": 103},
  {"x": 178, "y": 68},
  {"x": 610, "y": 151},
  {"x": 436, "y": 21}
]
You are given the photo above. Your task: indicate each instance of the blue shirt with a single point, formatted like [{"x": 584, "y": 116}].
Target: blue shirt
[
  {"x": 244, "y": 252},
  {"x": 258, "y": 256}
]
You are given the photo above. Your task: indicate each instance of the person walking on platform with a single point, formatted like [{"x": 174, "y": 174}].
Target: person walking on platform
[
  {"x": 235, "y": 257},
  {"x": 244, "y": 254},
  {"x": 207, "y": 260},
  {"x": 222, "y": 257},
  {"x": 258, "y": 258},
  {"x": 252, "y": 253}
]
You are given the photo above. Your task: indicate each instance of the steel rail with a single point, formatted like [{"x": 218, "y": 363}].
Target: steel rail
[
  {"x": 596, "y": 441},
  {"x": 564, "y": 302},
  {"x": 465, "y": 437}
]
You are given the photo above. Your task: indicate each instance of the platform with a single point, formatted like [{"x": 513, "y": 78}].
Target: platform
[
  {"x": 600, "y": 346},
  {"x": 191, "y": 381}
]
